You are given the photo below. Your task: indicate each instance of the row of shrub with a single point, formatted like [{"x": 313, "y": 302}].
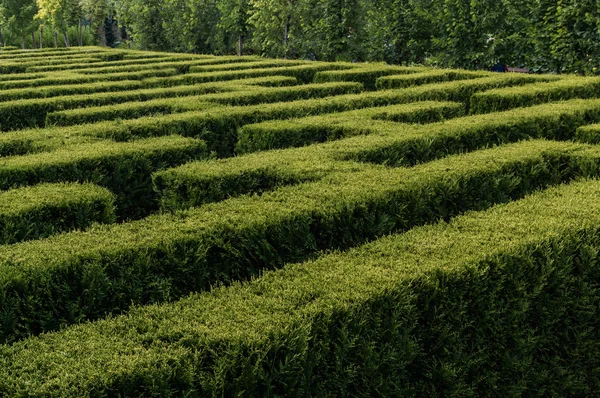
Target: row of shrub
[
  {"x": 426, "y": 77},
  {"x": 246, "y": 96},
  {"x": 365, "y": 74},
  {"x": 46, "y": 209},
  {"x": 401, "y": 144},
  {"x": 219, "y": 126},
  {"x": 196, "y": 183},
  {"x": 69, "y": 89},
  {"x": 182, "y": 66},
  {"x": 503, "y": 298},
  {"x": 19, "y": 114},
  {"x": 507, "y": 98},
  {"x": 124, "y": 168},
  {"x": 71, "y": 78}
]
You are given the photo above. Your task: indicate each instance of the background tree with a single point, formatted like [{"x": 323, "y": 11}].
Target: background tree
[
  {"x": 18, "y": 17},
  {"x": 233, "y": 21}
]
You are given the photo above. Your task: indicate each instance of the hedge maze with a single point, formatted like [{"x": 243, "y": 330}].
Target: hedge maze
[{"x": 234, "y": 226}]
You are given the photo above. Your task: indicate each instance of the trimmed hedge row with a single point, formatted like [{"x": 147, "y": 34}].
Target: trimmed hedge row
[
  {"x": 489, "y": 295},
  {"x": 196, "y": 183},
  {"x": 69, "y": 89},
  {"x": 299, "y": 132},
  {"x": 23, "y": 142},
  {"x": 427, "y": 77},
  {"x": 70, "y": 78},
  {"x": 219, "y": 126},
  {"x": 589, "y": 134},
  {"x": 248, "y": 96},
  {"x": 508, "y": 98},
  {"x": 76, "y": 66},
  {"x": 365, "y": 74},
  {"x": 58, "y": 52},
  {"x": 33, "y": 112},
  {"x": 385, "y": 141},
  {"x": 43, "y": 210},
  {"x": 124, "y": 168},
  {"x": 181, "y": 66},
  {"x": 44, "y": 65},
  {"x": 258, "y": 64},
  {"x": 22, "y": 76},
  {"x": 304, "y": 73}
]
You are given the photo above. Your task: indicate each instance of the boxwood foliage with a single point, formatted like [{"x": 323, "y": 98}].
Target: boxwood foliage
[
  {"x": 589, "y": 134},
  {"x": 251, "y": 95},
  {"x": 85, "y": 275},
  {"x": 68, "y": 89},
  {"x": 507, "y": 98},
  {"x": 305, "y": 73},
  {"x": 43, "y": 210},
  {"x": 401, "y": 144},
  {"x": 74, "y": 78},
  {"x": 503, "y": 301},
  {"x": 124, "y": 168},
  {"x": 33, "y": 112},
  {"x": 365, "y": 74},
  {"x": 426, "y": 77},
  {"x": 218, "y": 126}
]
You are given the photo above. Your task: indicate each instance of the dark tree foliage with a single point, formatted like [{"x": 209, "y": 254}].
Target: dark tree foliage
[{"x": 543, "y": 35}]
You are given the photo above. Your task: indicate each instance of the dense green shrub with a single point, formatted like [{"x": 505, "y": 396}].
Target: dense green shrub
[
  {"x": 43, "y": 210},
  {"x": 124, "y": 168},
  {"x": 506, "y": 299},
  {"x": 506, "y": 98},
  {"x": 366, "y": 74},
  {"x": 166, "y": 256},
  {"x": 426, "y": 77},
  {"x": 248, "y": 96},
  {"x": 399, "y": 144}
]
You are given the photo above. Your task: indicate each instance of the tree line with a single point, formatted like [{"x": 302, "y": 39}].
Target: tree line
[{"x": 543, "y": 35}]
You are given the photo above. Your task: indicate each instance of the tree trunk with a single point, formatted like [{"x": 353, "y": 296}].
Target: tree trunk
[
  {"x": 286, "y": 33},
  {"x": 23, "y": 42},
  {"x": 55, "y": 33},
  {"x": 80, "y": 33},
  {"x": 41, "y": 37},
  {"x": 240, "y": 49},
  {"x": 1, "y": 38},
  {"x": 33, "y": 43},
  {"x": 66, "y": 38}
]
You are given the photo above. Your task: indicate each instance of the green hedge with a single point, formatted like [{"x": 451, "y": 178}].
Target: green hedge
[
  {"x": 427, "y": 77},
  {"x": 77, "y": 66},
  {"x": 365, "y": 74},
  {"x": 166, "y": 256},
  {"x": 256, "y": 64},
  {"x": 219, "y": 126},
  {"x": 22, "y": 76},
  {"x": 124, "y": 168},
  {"x": 33, "y": 112},
  {"x": 514, "y": 97},
  {"x": 23, "y": 142},
  {"x": 69, "y": 89},
  {"x": 182, "y": 65},
  {"x": 392, "y": 143},
  {"x": 43, "y": 210},
  {"x": 300, "y": 132},
  {"x": 304, "y": 73},
  {"x": 70, "y": 78},
  {"x": 248, "y": 96},
  {"x": 501, "y": 302},
  {"x": 589, "y": 134}
]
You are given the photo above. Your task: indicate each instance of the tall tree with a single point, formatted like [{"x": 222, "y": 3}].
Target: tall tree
[
  {"x": 19, "y": 18},
  {"x": 234, "y": 20},
  {"x": 276, "y": 23},
  {"x": 60, "y": 14}
]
